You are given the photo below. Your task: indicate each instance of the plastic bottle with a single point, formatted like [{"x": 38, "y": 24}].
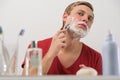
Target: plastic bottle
[
  {"x": 3, "y": 65},
  {"x": 110, "y": 56},
  {"x": 34, "y": 59}
]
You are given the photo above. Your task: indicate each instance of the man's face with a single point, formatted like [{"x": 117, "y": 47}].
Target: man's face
[
  {"x": 84, "y": 14},
  {"x": 81, "y": 19}
]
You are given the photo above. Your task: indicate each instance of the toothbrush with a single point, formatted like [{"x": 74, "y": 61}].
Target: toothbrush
[{"x": 14, "y": 58}]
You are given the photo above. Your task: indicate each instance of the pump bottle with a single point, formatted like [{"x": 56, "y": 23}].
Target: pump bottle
[{"x": 34, "y": 59}]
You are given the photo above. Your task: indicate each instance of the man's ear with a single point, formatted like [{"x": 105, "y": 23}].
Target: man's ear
[{"x": 65, "y": 15}]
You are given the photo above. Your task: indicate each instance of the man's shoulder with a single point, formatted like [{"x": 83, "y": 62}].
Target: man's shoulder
[
  {"x": 44, "y": 42},
  {"x": 91, "y": 50}
]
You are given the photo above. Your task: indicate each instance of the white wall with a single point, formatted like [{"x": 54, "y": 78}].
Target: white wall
[{"x": 41, "y": 19}]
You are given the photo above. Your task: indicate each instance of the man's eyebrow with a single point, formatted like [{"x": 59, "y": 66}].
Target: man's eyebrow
[
  {"x": 81, "y": 10},
  {"x": 92, "y": 15}
]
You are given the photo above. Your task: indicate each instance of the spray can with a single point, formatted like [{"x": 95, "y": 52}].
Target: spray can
[{"x": 110, "y": 56}]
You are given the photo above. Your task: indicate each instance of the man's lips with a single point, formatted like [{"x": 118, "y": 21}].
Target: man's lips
[{"x": 82, "y": 26}]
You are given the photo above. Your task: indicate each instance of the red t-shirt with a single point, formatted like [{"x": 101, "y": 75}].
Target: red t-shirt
[{"x": 88, "y": 57}]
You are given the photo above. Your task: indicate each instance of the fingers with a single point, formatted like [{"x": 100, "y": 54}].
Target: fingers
[
  {"x": 62, "y": 41},
  {"x": 82, "y": 66},
  {"x": 59, "y": 32},
  {"x": 58, "y": 42},
  {"x": 60, "y": 35}
]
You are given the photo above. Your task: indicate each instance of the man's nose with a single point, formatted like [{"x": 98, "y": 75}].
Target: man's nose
[{"x": 85, "y": 18}]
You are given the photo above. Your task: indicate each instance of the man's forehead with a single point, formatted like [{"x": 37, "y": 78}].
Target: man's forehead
[{"x": 84, "y": 8}]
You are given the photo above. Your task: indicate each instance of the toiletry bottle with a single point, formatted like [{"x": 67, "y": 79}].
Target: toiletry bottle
[
  {"x": 3, "y": 66},
  {"x": 110, "y": 56},
  {"x": 34, "y": 59}
]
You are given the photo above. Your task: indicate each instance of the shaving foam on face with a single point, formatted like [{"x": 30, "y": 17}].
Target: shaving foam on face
[{"x": 79, "y": 32}]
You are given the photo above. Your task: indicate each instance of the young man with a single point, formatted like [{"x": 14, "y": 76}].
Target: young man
[{"x": 64, "y": 53}]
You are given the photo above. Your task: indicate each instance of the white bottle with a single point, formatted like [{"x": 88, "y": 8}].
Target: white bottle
[
  {"x": 34, "y": 59},
  {"x": 3, "y": 66},
  {"x": 110, "y": 56}
]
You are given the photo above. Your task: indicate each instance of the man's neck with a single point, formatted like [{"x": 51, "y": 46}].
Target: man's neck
[{"x": 73, "y": 47}]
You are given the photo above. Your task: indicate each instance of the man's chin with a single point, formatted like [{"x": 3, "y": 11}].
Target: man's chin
[{"x": 79, "y": 35}]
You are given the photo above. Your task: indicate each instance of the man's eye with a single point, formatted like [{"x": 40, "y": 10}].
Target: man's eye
[
  {"x": 90, "y": 18},
  {"x": 81, "y": 14}
]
